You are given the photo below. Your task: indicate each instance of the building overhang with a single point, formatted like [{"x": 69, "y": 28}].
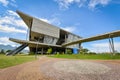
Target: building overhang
[
  {"x": 26, "y": 18},
  {"x": 29, "y": 22},
  {"x": 33, "y": 43}
]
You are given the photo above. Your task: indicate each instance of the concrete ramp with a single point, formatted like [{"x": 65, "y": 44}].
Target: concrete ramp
[{"x": 17, "y": 50}]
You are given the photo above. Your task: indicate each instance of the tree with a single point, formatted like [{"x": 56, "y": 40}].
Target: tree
[
  {"x": 69, "y": 51},
  {"x": 49, "y": 51},
  {"x": 84, "y": 51},
  {"x": 8, "y": 51},
  {"x": 2, "y": 51}
]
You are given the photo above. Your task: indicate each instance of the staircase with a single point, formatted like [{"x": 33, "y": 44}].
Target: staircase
[{"x": 17, "y": 50}]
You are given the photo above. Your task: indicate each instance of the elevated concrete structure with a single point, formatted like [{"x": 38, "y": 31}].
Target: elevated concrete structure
[
  {"x": 94, "y": 38},
  {"x": 43, "y": 35}
]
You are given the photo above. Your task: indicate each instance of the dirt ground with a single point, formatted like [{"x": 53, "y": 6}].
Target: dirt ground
[{"x": 42, "y": 69}]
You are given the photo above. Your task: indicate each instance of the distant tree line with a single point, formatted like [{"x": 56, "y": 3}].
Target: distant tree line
[
  {"x": 85, "y": 51},
  {"x": 4, "y": 51}
]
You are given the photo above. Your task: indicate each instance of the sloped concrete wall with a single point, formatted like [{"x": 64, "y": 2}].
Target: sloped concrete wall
[{"x": 44, "y": 28}]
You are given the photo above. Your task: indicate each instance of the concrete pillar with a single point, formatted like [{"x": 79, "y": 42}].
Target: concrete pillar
[
  {"x": 111, "y": 42},
  {"x": 42, "y": 51}
]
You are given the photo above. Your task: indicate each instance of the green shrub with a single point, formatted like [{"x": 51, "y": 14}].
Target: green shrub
[
  {"x": 57, "y": 53},
  {"x": 69, "y": 51},
  {"x": 8, "y": 51},
  {"x": 92, "y": 53},
  {"x": 63, "y": 53},
  {"x": 49, "y": 51},
  {"x": 84, "y": 51},
  {"x": 117, "y": 53}
]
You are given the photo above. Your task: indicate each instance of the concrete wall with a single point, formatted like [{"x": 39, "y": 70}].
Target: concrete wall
[
  {"x": 44, "y": 28},
  {"x": 72, "y": 38}
]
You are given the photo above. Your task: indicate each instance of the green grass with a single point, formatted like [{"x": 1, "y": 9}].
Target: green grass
[
  {"x": 86, "y": 56},
  {"x": 7, "y": 61}
]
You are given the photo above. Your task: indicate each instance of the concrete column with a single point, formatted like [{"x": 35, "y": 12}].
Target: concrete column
[
  {"x": 42, "y": 51},
  {"x": 111, "y": 42}
]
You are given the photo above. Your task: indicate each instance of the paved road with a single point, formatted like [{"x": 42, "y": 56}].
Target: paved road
[{"x": 63, "y": 69}]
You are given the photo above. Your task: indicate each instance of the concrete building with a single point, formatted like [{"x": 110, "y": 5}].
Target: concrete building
[{"x": 43, "y": 35}]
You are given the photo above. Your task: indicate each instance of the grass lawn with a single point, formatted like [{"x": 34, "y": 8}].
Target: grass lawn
[
  {"x": 87, "y": 56},
  {"x": 7, "y": 61}
]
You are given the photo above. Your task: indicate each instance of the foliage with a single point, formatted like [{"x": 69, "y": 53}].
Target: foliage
[
  {"x": 63, "y": 53},
  {"x": 8, "y": 51},
  {"x": 7, "y": 61},
  {"x": 49, "y": 51},
  {"x": 2, "y": 51},
  {"x": 68, "y": 51},
  {"x": 57, "y": 53},
  {"x": 84, "y": 51},
  {"x": 117, "y": 53},
  {"x": 92, "y": 53}
]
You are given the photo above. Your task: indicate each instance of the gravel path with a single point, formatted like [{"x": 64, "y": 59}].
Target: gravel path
[
  {"x": 63, "y": 69},
  {"x": 82, "y": 69}
]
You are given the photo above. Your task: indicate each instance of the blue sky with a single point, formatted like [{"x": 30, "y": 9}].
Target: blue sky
[{"x": 82, "y": 17}]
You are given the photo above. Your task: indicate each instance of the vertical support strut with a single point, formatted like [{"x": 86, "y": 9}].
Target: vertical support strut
[
  {"x": 27, "y": 38},
  {"x": 80, "y": 47},
  {"x": 42, "y": 51},
  {"x": 36, "y": 50},
  {"x": 37, "y": 47},
  {"x": 111, "y": 42},
  {"x": 110, "y": 45}
]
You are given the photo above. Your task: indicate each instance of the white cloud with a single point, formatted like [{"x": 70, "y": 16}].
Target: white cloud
[
  {"x": 65, "y": 4},
  {"x": 6, "y": 41},
  {"x": 10, "y": 22},
  {"x": 104, "y": 47},
  {"x": 27, "y": 48},
  {"x": 12, "y": 13},
  {"x": 70, "y": 29},
  {"x": 4, "y": 2},
  {"x": 54, "y": 21},
  {"x": 7, "y": 2},
  {"x": 100, "y": 45},
  {"x": 45, "y": 20},
  {"x": 11, "y": 18},
  {"x": 94, "y": 3},
  {"x": 8, "y": 29}
]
